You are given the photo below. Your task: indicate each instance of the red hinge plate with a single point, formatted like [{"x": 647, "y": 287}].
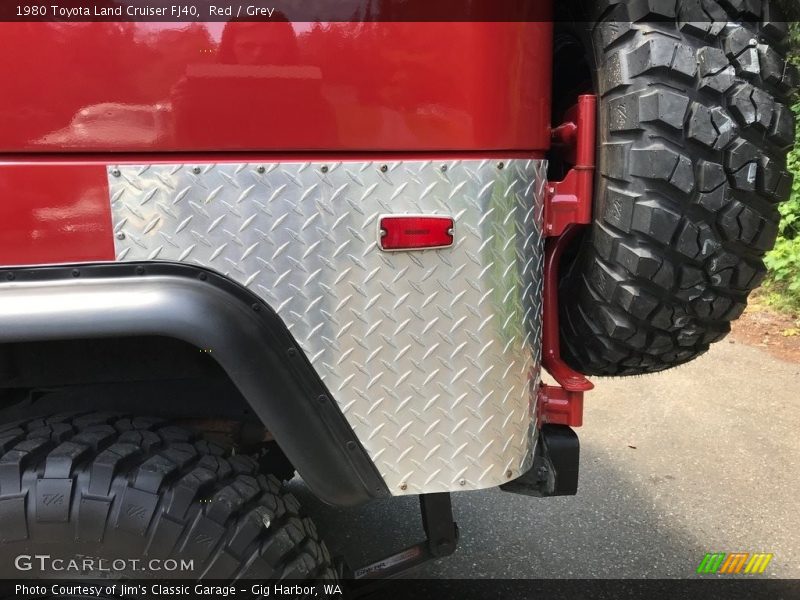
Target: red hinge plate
[{"x": 570, "y": 201}]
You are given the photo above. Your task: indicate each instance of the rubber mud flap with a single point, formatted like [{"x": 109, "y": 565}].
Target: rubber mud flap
[{"x": 556, "y": 465}]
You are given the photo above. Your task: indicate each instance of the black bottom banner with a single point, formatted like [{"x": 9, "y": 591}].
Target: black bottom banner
[{"x": 440, "y": 589}]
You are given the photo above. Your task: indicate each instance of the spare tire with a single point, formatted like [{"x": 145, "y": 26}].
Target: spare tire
[{"x": 694, "y": 127}]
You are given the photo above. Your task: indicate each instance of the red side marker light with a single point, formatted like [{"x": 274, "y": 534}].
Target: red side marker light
[{"x": 415, "y": 232}]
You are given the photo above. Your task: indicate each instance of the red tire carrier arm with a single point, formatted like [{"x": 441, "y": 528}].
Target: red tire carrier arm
[{"x": 568, "y": 207}]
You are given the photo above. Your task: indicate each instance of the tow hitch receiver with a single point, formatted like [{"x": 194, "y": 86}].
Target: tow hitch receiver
[{"x": 555, "y": 465}]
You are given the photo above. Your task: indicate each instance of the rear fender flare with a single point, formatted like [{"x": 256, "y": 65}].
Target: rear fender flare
[{"x": 245, "y": 336}]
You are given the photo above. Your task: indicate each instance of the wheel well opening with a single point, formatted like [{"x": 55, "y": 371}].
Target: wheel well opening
[
  {"x": 148, "y": 376},
  {"x": 162, "y": 374}
]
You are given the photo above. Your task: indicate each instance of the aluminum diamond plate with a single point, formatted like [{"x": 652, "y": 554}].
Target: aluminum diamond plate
[{"x": 431, "y": 355}]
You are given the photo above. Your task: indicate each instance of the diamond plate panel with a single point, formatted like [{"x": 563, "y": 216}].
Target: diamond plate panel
[{"x": 431, "y": 355}]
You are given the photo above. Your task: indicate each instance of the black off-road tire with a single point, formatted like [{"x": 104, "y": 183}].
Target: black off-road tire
[
  {"x": 694, "y": 128},
  {"x": 110, "y": 486}
]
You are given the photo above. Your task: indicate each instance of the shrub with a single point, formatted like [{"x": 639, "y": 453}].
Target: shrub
[{"x": 783, "y": 263}]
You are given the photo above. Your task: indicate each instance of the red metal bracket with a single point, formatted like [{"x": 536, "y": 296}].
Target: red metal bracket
[
  {"x": 560, "y": 407},
  {"x": 562, "y": 404},
  {"x": 568, "y": 206},
  {"x": 570, "y": 200}
]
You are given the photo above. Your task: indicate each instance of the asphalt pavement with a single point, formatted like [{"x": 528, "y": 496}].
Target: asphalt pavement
[{"x": 702, "y": 458}]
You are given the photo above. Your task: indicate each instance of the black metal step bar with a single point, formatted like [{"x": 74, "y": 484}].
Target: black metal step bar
[{"x": 442, "y": 539}]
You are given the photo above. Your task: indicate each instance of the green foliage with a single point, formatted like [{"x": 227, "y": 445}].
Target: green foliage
[{"x": 783, "y": 263}]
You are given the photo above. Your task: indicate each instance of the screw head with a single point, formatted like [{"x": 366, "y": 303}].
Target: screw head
[
  {"x": 76, "y": 273},
  {"x": 403, "y": 486},
  {"x": 10, "y": 276},
  {"x": 324, "y": 168},
  {"x": 196, "y": 170},
  {"x": 291, "y": 352},
  {"x": 384, "y": 168},
  {"x": 121, "y": 235},
  {"x": 351, "y": 445},
  {"x": 462, "y": 482},
  {"x": 261, "y": 169},
  {"x": 202, "y": 276},
  {"x": 444, "y": 168},
  {"x": 501, "y": 165},
  {"x": 115, "y": 172},
  {"x": 508, "y": 474},
  {"x": 140, "y": 270}
]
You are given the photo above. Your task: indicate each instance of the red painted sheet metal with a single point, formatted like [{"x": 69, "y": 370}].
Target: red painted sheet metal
[
  {"x": 53, "y": 213},
  {"x": 275, "y": 86},
  {"x": 57, "y": 207}
]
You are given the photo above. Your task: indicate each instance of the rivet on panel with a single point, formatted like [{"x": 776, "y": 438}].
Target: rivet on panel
[
  {"x": 196, "y": 170},
  {"x": 384, "y": 168},
  {"x": 508, "y": 474},
  {"x": 115, "y": 172},
  {"x": 324, "y": 168},
  {"x": 501, "y": 165},
  {"x": 261, "y": 169},
  {"x": 404, "y": 486},
  {"x": 121, "y": 235}
]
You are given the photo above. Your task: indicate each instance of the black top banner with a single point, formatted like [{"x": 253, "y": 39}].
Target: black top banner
[
  {"x": 275, "y": 10},
  {"x": 360, "y": 11}
]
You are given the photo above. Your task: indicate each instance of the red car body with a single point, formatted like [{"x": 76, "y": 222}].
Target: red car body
[{"x": 85, "y": 95}]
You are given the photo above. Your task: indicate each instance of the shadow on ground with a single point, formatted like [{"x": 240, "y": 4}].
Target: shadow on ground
[
  {"x": 700, "y": 459},
  {"x": 606, "y": 531}
]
